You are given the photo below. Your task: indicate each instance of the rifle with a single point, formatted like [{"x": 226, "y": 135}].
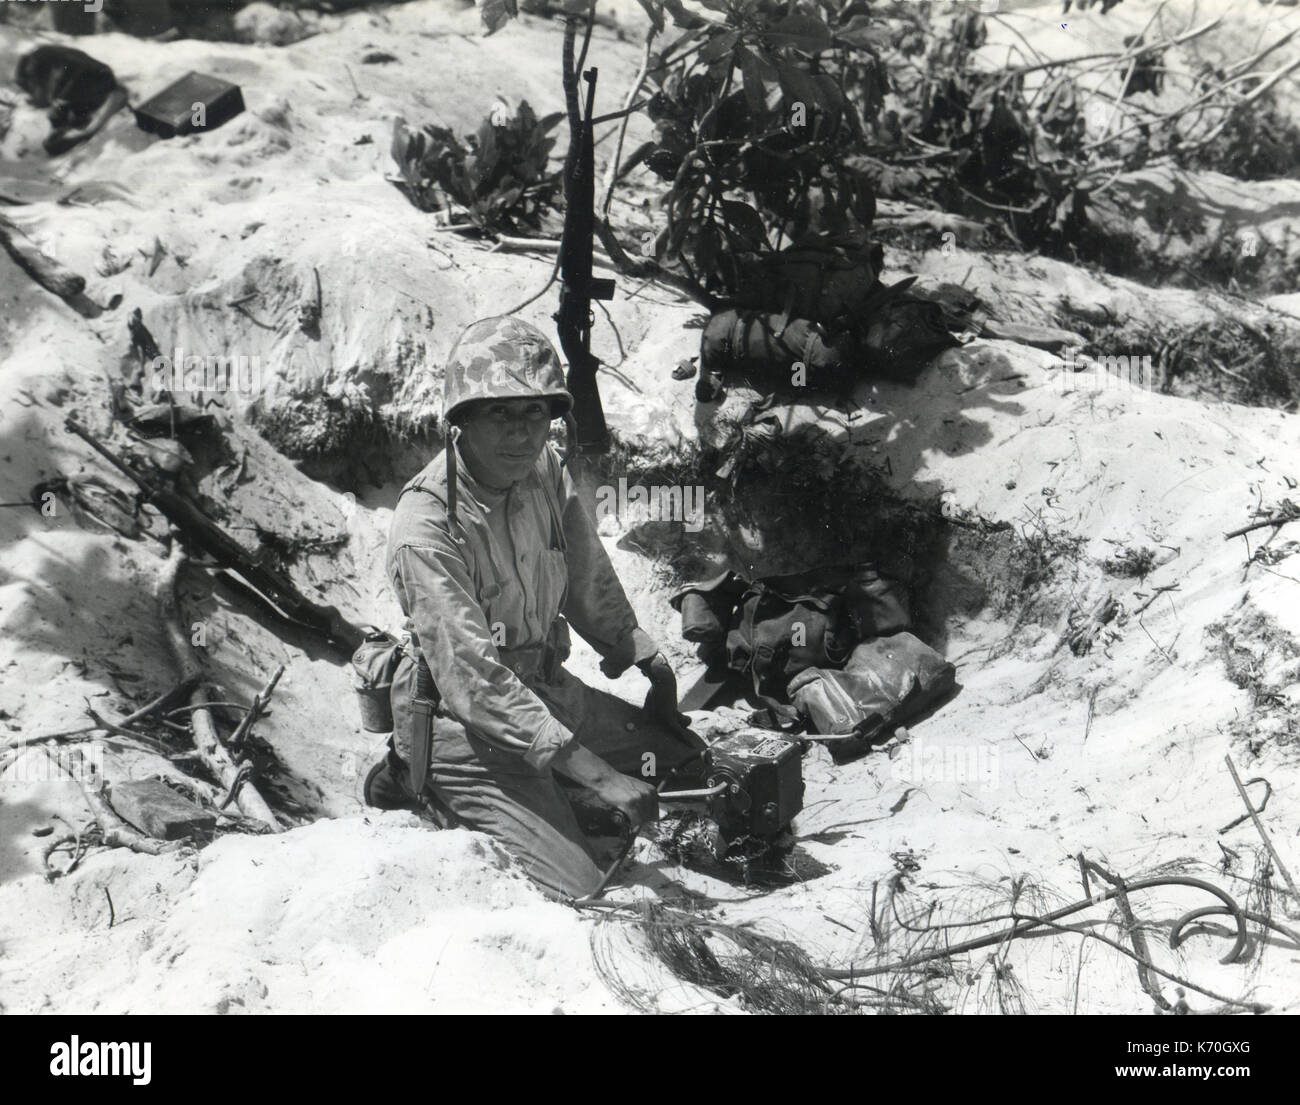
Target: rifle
[
  {"x": 578, "y": 288},
  {"x": 201, "y": 532}
]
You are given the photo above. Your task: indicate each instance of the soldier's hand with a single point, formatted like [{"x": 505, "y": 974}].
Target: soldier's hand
[
  {"x": 638, "y": 801},
  {"x": 661, "y": 701},
  {"x": 635, "y": 799}
]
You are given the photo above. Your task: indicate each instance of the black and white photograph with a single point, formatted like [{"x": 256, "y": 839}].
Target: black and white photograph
[{"x": 615, "y": 507}]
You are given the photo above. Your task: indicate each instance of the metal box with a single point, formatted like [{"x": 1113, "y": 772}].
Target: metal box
[
  {"x": 194, "y": 103},
  {"x": 764, "y": 777}
]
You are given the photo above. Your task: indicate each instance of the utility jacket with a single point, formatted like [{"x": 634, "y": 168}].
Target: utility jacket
[{"x": 486, "y": 617}]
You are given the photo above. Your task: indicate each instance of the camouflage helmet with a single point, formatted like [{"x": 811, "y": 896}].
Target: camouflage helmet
[{"x": 503, "y": 358}]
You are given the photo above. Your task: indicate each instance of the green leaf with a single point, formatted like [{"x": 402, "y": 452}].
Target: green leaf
[
  {"x": 673, "y": 138},
  {"x": 832, "y": 97},
  {"x": 677, "y": 236},
  {"x": 806, "y": 33},
  {"x": 873, "y": 90},
  {"x": 863, "y": 32},
  {"x": 983, "y": 96},
  {"x": 755, "y": 91},
  {"x": 719, "y": 48},
  {"x": 706, "y": 252},
  {"x": 798, "y": 86},
  {"x": 745, "y": 221},
  {"x": 661, "y": 244}
]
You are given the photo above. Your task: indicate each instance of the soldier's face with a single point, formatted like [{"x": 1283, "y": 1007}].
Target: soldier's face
[{"x": 502, "y": 439}]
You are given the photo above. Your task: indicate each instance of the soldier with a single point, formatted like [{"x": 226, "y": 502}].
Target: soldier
[{"x": 493, "y": 556}]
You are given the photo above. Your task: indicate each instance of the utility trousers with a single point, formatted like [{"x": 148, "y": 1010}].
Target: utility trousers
[{"x": 528, "y": 810}]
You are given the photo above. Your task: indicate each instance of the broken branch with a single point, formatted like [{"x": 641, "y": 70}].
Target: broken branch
[
  {"x": 40, "y": 266},
  {"x": 212, "y": 753},
  {"x": 1274, "y": 520},
  {"x": 1259, "y": 828},
  {"x": 611, "y": 171},
  {"x": 260, "y": 701}
]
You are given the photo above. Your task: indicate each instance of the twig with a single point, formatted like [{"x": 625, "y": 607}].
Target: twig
[
  {"x": 260, "y": 701},
  {"x": 1176, "y": 934},
  {"x": 1254, "y": 95},
  {"x": 1135, "y": 934},
  {"x": 646, "y": 267},
  {"x": 1268, "y": 793},
  {"x": 1253, "y": 1006},
  {"x": 1026, "y": 747},
  {"x": 611, "y": 170},
  {"x": 113, "y": 727},
  {"x": 359, "y": 94},
  {"x": 622, "y": 353},
  {"x": 1206, "y": 97},
  {"x": 1154, "y": 595},
  {"x": 241, "y": 776},
  {"x": 555, "y": 269},
  {"x": 252, "y": 318},
  {"x": 1138, "y": 41},
  {"x": 209, "y": 705},
  {"x": 1024, "y": 924},
  {"x": 1259, "y": 827},
  {"x": 215, "y": 757},
  {"x": 112, "y": 913},
  {"x": 1159, "y": 647},
  {"x": 77, "y": 851},
  {"x": 1275, "y": 520},
  {"x": 63, "y": 734},
  {"x": 1195, "y": 32},
  {"x": 540, "y": 245},
  {"x": 586, "y": 35}
]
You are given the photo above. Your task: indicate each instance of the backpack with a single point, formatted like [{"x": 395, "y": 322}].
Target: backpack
[
  {"x": 824, "y": 278},
  {"x": 771, "y": 629},
  {"x": 887, "y": 681},
  {"x": 765, "y": 348}
]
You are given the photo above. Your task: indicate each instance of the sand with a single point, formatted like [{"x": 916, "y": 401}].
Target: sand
[{"x": 1044, "y": 754}]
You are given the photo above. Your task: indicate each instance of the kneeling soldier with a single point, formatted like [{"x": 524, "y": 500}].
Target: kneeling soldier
[{"x": 493, "y": 556}]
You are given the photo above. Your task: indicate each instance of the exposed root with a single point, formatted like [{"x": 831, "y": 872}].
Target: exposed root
[
  {"x": 212, "y": 753},
  {"x": 768, "y": 974},
  {"x": 763, "y": 973}
]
